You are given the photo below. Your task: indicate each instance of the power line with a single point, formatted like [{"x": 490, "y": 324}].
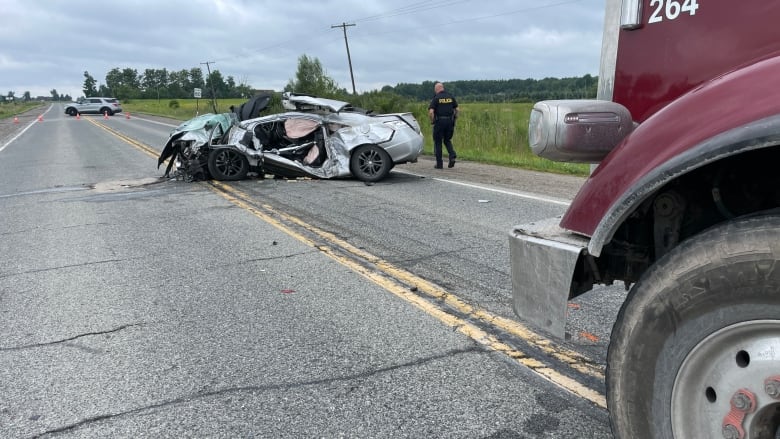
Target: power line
[
  {"x": 410, "y": 9},
  {"x": 405, "y": 10},
  {"x": 482, "y": 17}
]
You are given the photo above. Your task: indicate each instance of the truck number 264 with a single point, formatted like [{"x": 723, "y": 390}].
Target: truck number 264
[{"x": 671, "y": 9}]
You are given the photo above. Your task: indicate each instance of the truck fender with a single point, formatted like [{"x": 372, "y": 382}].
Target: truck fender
[
  {"x": 729, "y": 115},
  {"x": 760, "y": 134}
]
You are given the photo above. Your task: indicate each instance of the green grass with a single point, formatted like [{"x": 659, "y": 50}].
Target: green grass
[
  {"x": 8, "y": 109},
  {"x": 495, "y": 133},
  {"x": 186, "y": 109}
]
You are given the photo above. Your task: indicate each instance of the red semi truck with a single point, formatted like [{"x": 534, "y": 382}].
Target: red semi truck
[{"x": 683, "y": 208}]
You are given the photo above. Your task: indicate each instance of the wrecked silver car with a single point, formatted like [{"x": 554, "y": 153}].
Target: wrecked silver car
[{"x": 319, "y": 138}]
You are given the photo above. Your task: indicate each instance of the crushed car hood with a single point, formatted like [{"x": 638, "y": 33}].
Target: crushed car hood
[
  {"x": 199, "y": 129},
  {"x": 208, "y": 122}
]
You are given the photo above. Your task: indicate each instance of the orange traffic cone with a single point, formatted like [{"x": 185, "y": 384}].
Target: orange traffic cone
[
  {"x": 127, "y": 115},
  {"x": 40, "y": 118},
  {"x": 16, "y": 120},
  {"x": 78, "y": 116},
  {"x": 105, "y": 115}
]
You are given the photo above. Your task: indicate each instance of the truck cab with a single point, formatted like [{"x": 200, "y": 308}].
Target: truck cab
[{"x": 682, "y": 206}]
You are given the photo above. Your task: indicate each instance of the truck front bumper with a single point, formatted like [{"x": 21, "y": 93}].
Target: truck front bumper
[{"x": 543, "y": 259}]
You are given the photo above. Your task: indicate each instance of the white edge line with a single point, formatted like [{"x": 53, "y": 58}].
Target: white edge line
[
  {"x": 18, "y": 134},
  {"x": 34, "y": 121},
  {"x": 154, "y": 121},
  {"x": 500, "y": 191}
]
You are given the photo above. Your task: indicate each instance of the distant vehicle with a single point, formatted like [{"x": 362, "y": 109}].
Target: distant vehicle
[
  {"x": 108, "y": 106},
  {"x": 319, "y": 138}
]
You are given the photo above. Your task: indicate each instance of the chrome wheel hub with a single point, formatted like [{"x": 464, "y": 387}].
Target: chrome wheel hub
[{"x": 728, "y": 386}]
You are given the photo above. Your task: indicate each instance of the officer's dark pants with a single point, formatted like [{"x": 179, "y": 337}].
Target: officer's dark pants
[{"x": 442, "y": 132}]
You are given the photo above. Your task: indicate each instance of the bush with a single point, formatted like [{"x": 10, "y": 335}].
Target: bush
[{"x": 173, "y": 104}]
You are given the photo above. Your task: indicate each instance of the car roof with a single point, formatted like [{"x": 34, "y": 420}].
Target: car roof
[{"x": 302, "y": 102}]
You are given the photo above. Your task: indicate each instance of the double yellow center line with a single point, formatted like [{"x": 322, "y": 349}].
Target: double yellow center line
[{"x": 130, "y": 140}]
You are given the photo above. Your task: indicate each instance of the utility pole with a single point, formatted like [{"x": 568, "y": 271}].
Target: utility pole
[
  {"x": 343, "y": 26},
  {"x": 213, "y": 93}
]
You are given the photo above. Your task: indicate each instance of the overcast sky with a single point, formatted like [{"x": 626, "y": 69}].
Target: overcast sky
[{"x": 48, "y": 44}]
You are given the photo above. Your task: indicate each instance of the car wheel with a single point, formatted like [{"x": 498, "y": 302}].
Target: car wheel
[
  {"x": 71, "y": 111},
  {"x": 227, "y": 164},
  {"x": 106, "y": 111},
  {"x": 695, "y": 348},
  {"x": 370, "y": 163}
]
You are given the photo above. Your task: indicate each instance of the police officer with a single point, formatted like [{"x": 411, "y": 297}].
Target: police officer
[{"x": 443, "y": 111}]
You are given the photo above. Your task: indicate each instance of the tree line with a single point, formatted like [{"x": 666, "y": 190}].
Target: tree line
[
  {"x": 26, "y": 96},
  {"x": 125, "y": 84},
  {"x": 311, "y": 78},
  {"x": 505, "y": 90}
]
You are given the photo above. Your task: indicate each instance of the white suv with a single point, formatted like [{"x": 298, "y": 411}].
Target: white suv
[{"x": 107, "y": 106}]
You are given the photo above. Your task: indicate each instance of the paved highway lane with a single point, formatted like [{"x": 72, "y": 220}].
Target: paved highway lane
[
  {"x": 133, "y": 306},
  {"x": 449, "y": 226}
]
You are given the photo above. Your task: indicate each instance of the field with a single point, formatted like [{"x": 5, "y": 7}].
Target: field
[
  {"x": 8, "y": 109},
  {"x": 495, "y": 133},
  {"x": 181, "y": 109}
]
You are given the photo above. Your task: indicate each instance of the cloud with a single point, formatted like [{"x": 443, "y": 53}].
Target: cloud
[{"x": 50, "y": 43}]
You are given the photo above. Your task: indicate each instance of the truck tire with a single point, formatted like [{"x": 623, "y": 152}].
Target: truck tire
[{"x": 695, "y": 350}]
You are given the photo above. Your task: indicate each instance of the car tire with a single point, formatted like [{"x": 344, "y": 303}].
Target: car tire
[
  {"x": 71, "y": 111},
  {"x": 227, "y": 165},
  {"x": 106, "y": 111},
  {"x": 370, "y": 163},
  {"x": 695, "y": 335}
]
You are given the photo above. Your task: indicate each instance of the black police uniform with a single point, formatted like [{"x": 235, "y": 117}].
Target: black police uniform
[{"x": 443, "y": 105}]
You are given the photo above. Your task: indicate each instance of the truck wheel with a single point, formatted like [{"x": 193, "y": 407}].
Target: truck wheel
[{"x": 696, "y": 346}]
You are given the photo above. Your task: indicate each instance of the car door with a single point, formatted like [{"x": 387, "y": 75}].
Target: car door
[
  {"x": 297, "y": 146},
  {"x": 93, "y": 105}
]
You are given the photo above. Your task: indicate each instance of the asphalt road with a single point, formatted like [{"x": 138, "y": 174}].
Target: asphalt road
[{"x": 136, "y": 306}]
